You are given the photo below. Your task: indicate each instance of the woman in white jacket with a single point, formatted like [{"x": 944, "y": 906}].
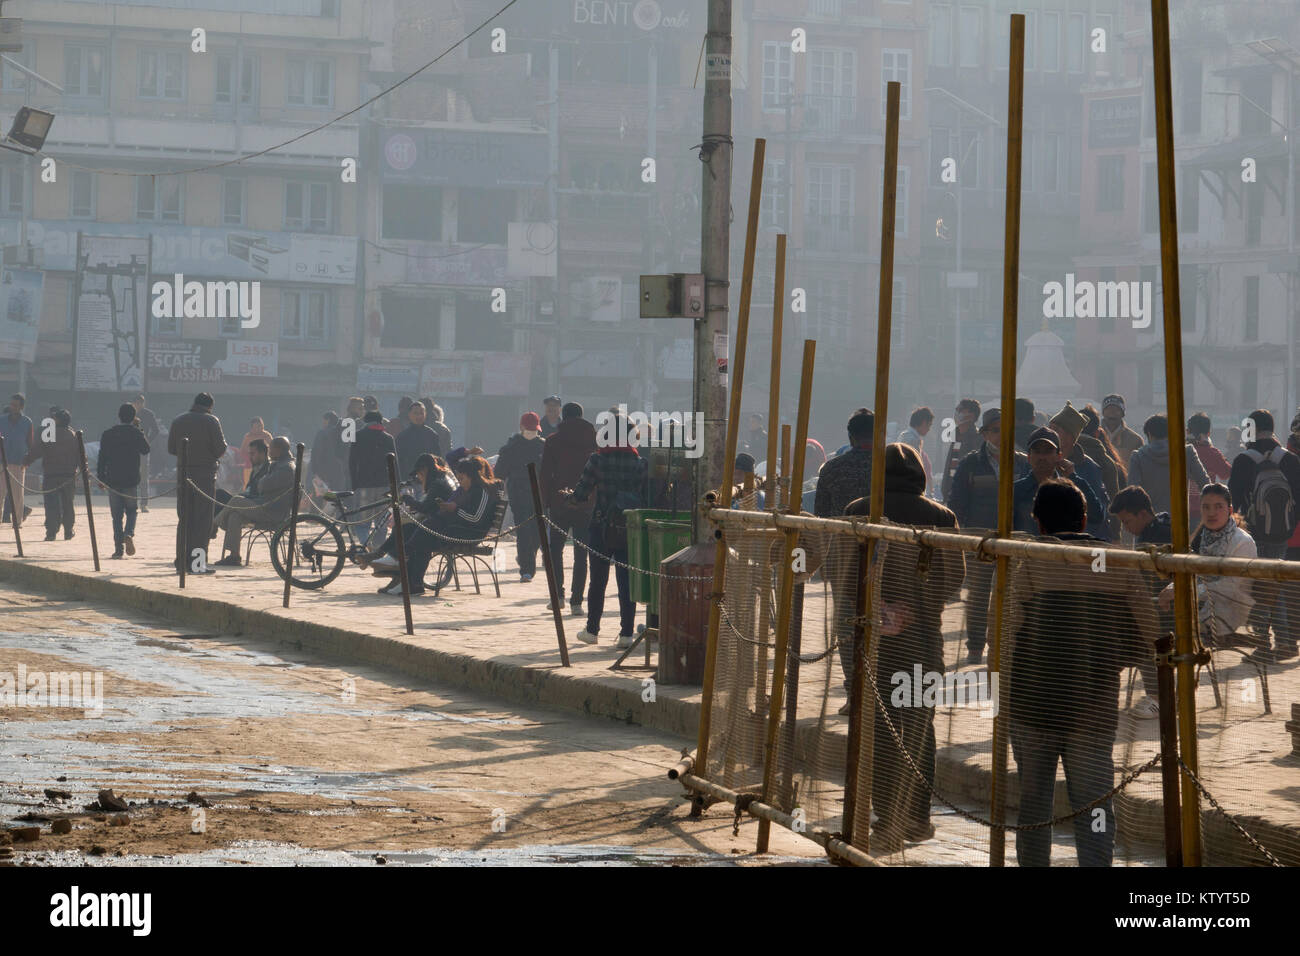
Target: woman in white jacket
[{"x": 1224, "y": 601}]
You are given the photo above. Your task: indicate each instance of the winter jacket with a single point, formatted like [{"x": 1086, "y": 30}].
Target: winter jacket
[
  {"x": 1024, "y": 490},
  {"x": 1088, "y": 469},
  {"x": 1241, "y": 483},
  {"x": 1148, "y": 467},
  {"x": 60, "y": 456},
  {"x": 964, "y": 442},
  {"x": 974, "y": 493},
  {"x": 19, "y": 436},
  {"x": 368, "y": 458},
  {"x": 1126, "y": 442},
  {"x": 563, "y": 456},
  {"x": 120, "y": 450},
  {"x": 512, "y": 467},
  {"x": 842, "y": 480},
  {"x": 274, "y": 497},
  {"x": 1225, "y": 601},
  {"x": 472, "y": 519},
  {"x": 412, "y": 442},
  {"x": 1072, "y": 632},
  {"x": 207, "y": 442}
]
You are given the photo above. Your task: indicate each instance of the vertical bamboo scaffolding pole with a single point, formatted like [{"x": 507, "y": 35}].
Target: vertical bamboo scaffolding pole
[
  {"x": 774, "y": 376},
  {"x": 1184, "y": 595},
  {"x": 862, "y": 716},
  {"x": 729, "y": 458},
  {"x": 1007, "y": 447},
  {"x": 785, "y": 597}
]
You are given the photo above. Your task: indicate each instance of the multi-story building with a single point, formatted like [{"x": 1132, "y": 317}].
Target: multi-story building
[{"x": 147, "y": 126}]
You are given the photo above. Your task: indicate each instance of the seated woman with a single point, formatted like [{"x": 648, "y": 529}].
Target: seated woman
[{"x": 468, "y": 520}]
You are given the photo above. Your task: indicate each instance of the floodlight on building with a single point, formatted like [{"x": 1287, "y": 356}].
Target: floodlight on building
[{"x": 28, "y": 132}]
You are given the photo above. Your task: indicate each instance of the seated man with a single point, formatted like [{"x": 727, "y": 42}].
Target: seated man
[
  {"x": 257, "y": 455},
  {"x": 269, "y": 507}
]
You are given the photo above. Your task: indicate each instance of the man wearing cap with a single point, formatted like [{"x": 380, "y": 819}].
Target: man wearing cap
[
  {"x": 973, "y": 498},
  {"x": 550, "y": 416},
  {"x": 520, "y": 451},
  {"x": 207, "y": 443},
  {"x": 965, "y": 440},
  {"x": 563, "y": 458},
  {"x": 368, "y": 467},
  {"x": 1125, "y": 439},
  {"x": 1067, "y": 424},
  {"x": 1045, "y": 461},
  {"x": 745, "y": 469}
]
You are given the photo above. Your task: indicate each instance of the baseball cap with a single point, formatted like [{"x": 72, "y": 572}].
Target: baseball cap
[
  {"x": 1043, "y": 434},
  {"x": 530, "y": 422}
]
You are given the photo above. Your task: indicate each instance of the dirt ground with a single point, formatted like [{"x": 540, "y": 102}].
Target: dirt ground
[{"x": 293, "y": 755}]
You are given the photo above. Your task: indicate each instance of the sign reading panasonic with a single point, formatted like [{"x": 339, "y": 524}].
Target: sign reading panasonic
[{"x": 201, "y": 251}]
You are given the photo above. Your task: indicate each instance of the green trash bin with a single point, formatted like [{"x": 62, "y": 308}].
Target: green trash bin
[
  {"x": 638, "y": 552},
  {"x": 666, "y": 539}
]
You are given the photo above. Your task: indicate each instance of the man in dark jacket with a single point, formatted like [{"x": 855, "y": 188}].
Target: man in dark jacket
[
  {"x": 563, "y": 457},
  {"x": 61, "y": 463},
  {"x": 910, "y": 636},
  {"x": 1265, "y": 451},
  {"x": 974, "y": 500},
  {"x": 1073, "y": 631},
  {"x": 965, "y": 440},
  {"x": 149, "y": 426},
  {"x": 842, "y": 480},
  {"x": 207, "y": 443},
  {"x": 1132, "y": 508},
  {"x": 368, "y": 467},
  {"x": 123, "y": 449},
  {"x": 416, "y": 439},
  {"x": 1045, "y": 462},
  {"x": 269, "y": 507},
  {"x": 523, "y": 449},
  {"x": 325, "y": 463}
]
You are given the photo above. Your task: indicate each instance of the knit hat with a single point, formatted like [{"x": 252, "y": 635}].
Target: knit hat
[
  {"x": 744, "y": 462},
  {"x": 1070, "y": 421},
  {"x": 529, "y": 422},
  {"x": 1115, "y": 400}
]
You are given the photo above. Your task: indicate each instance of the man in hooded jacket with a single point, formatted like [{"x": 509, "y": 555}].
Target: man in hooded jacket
[
  {"x": 522, "y": 449},
  {"x": 563, "y": 458}
]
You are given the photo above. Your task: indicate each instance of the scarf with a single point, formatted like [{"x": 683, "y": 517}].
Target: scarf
[{"x": 1216, "y": 542}]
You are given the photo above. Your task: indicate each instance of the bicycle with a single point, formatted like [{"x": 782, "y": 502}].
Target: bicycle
[{"x": 319, "y": 551}]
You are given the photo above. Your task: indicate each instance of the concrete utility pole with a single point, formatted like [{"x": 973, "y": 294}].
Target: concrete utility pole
[{"x": 716, "y": 149}]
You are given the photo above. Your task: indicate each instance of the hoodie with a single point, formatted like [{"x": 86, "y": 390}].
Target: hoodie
[
  {"x": 1148, "y": 467},
  {"x": 563, "y": 457},
  {"x": 512, "y": 466}
]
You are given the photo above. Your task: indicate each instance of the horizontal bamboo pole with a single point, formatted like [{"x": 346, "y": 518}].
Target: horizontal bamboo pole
[
  {"x": 828, "y": 841},
  {"x": 1273, "y": 569},
  {"x": 684, "y": 766}
]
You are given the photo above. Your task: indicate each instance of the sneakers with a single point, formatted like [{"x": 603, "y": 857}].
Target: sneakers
[
  {"x": 128, "y": 543},
  {"x": 525, "y": 578},
  {"x": 575, "y": 609},
  {"x": 229, "y": 561},
  {"x": 386, "y": 563},
  {"x": 116, "y": 554},
  {"x": 586, "y": 636},
  {"x": 625, "y": 641},
  {"x": 396, "y": 588},
  {"x": 1146, "y": 709}
]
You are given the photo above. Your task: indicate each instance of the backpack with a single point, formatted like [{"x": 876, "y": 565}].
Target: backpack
[{"x": 1271, "y": 514}]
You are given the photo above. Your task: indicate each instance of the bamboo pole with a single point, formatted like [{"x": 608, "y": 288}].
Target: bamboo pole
[
  {"x": 293, "y": 522},
  {"x": 785, "y": 596},
  {"x": 1007, "y": 447},
  {"x": 784, "y": 494},
  {"x": 1185, "y": 617},
  {"x": 729, "y": 457},
  {"x": 17, "y": 518},
  {"x": 774, "y": 375},
  {"x": 85, "y": 485},
  {"x": 862, "y": 718},
  {"x": 400, "y": 541},
  {"x": 557, "y": 595}
]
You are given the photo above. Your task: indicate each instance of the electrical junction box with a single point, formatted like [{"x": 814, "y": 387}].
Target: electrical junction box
[{"x": 678, "y": 295}]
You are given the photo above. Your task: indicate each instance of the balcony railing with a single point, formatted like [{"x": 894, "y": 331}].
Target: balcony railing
[{"x": 835, "y": 115}]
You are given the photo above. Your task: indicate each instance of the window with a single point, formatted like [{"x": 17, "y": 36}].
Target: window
[
  {"x": 940, "y": 35},
  {"x": 304, "y": 317},
  {"x": 1252, "y": 308},
  {"x": 1110, "y": 184},
  {"x": 1002, "y": 35},
  {"x": 898, "y": 315},
  {"x": 1190, "y": 104},
  {"x": 969, "y": 37},
  {"x": 309, "y": 82},
  {"x": 484, "y": 215},
  {"x": 1150, "y": 199},
  {"x": 1189, "y": 195},
  {"x": 778, "y": 75},
  {"x": 776, "y": 197},
  {"x": 832, "y": 87},
  {"x": 12, "y": 191},
  {"x": 158, "y": 198},
  {"x": 896, "y": 65},
  {"x": 1074, "y": 39},
  {"x": 829, "y": 321},
  {"x": 307, "y": 207},
  {"x": 1051, "y": 41},
  {"x": 410, "y": 322},
  {"x": 411, "y": 212},
  {"x": 232, "y": 202},
  {"x": 478, "y": 327},
  {"x": 83, "y": 70},
  {"x": 12, "y": 80},
  {"x": 81, "y": 195},
  {"x": 1031, "y": 40},
  {"x": 161, "y": 76},
  {"x": 1028, "y": 160},
  {"x": 830, "y": 191},
  {"x": 1103, "y": 61},
  {"x": 1249, "y": 388},
  {"x": 236, "y": 74},
  {"x": 1051, "y": 158}
]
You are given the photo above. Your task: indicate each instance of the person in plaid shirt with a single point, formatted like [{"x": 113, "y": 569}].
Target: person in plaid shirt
[{"x": 617, "y": 473}]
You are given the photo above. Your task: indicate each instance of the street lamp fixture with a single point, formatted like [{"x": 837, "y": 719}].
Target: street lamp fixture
[{"x": 30, "y": 127}]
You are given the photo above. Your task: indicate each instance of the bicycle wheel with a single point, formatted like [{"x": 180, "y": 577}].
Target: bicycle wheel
[{"x": 318, "y": 553}]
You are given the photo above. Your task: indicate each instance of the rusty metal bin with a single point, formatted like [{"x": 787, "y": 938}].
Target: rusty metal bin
[{"x": 684, "y": 614}]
